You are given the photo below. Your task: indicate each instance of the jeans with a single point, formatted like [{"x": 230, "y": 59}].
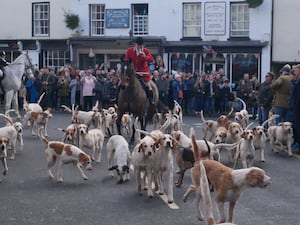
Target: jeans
[
  {"x": 210, "y": 105},
  {"x": 263, "y": 114},
  {"x": 284, "y": 115}
]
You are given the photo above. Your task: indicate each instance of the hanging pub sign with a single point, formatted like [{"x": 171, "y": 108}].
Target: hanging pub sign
[{"x": 117, "y": 18}]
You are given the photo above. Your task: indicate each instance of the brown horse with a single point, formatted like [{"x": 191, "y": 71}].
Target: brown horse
[{"x": 133, "y": 98}]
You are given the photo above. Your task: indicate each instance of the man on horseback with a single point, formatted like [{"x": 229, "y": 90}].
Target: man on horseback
[
  {"x": 3, "y": 63},
  {"x": 140, "y": 57}
]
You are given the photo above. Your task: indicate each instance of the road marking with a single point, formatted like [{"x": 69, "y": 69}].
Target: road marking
[
  {"x": 164, "y": 197},
  {"x": 296, "y": 155}
]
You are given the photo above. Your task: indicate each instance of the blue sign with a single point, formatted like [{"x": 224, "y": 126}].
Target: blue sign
[{"x": 117, "y": 18}]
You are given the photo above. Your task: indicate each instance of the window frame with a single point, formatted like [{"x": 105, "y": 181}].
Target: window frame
[
  {"x": 244, "y": 31},
  {"x": 55, "y": 58},
  {"x": 101, "y": 20},
  {"x": 194, "y": 25},
  {"x": 140, "y": 23},
  {"x": 46, "y": 25}
]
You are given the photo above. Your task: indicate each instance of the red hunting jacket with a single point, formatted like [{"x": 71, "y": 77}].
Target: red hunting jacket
[{"x": 140, "y": 62}]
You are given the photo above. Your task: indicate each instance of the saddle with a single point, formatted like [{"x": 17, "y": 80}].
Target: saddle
[{"x": 152, "y": 94}]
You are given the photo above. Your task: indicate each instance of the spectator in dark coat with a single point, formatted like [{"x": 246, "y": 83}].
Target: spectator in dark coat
[
  {"x": 281, "y": 86},
  {"x": 265, "y": 97},
  {"x": 294, "y": 103},
  {"x": 163, "y": 88}
]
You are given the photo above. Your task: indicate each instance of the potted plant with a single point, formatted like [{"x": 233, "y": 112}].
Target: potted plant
[
  {"x": 254, "y": 3},
  {"x": 71, "y": 20}
]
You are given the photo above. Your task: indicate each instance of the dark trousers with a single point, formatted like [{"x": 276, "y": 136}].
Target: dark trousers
[
  {"x": 296, "y": 126},
  {"x": 88, "y": 102}
]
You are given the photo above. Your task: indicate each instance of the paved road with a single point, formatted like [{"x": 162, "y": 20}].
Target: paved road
[{"x": 28, "y": 197}]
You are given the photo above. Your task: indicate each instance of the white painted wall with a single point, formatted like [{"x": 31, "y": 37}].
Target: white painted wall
[
  {"x": 16, "y": 19},
  {"x": 286, "y": 31},
  {"x": 165, "y": 19}
]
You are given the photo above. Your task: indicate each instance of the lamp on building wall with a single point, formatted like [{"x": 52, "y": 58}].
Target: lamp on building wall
[
  {"x": 91, "y": 53},
  {"x": 38, "y": 46},
  {"x": 20, "y": 46}
]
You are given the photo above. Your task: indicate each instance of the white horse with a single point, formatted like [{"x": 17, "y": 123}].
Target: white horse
[{"x": 12, "y": 81}]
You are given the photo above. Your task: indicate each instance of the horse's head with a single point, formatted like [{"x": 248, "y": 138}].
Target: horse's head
[
  {"x": 127, "y": 72},
  {"x": 28, "y": 64}
]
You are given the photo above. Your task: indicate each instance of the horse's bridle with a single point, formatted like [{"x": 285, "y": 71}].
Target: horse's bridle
[{"x": 28, "y": 68}]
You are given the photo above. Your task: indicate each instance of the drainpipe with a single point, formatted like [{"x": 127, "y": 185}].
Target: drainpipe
[{"x": 271, "y": 38}]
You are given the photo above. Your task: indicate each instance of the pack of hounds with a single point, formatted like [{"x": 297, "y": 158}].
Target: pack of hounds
[{"x": 152, "y": 155}]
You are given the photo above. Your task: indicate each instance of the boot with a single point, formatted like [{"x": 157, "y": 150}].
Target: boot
[{"x": 150, "y": 97}]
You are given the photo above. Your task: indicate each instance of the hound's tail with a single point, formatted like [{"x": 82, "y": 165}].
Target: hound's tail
[
  {"x": 41, "y": 136},
  {"x": 206, "y": 195},
  {"x": 8, "y": 119},
  {"x": 270, "y": 119},
  {"x": 198, "y": 152},
  {"x": 195, "y": 148},
  {"x": 229, "y": 114},
  {"x": 202, "y": 116},
  {"x": 41, "y": 98},
  {"x": 66, "y": 108},
  {"x": 244, "y": 103}
]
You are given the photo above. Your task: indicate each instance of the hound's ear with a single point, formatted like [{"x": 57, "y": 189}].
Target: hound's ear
[
  {"x": 224, "y": 135},
  {"x": 125, "y": 168},
  {"x": 6, "y": 140},
  {"x": 254, "y": 129},
  {"x": 113, "y": 168},
  {"x": 244, "y": 134},
  {"x": 280, "y": 124},
  {"x": 140, "y": 147},
  {"x": 156, "y": 146}
]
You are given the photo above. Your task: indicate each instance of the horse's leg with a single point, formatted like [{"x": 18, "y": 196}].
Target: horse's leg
[
  {"x": 15, "y": 104},
  {"x": 8, "y": 100},
  {"x": 118, "y": 122},
  {"x": 132, "y": 136}
]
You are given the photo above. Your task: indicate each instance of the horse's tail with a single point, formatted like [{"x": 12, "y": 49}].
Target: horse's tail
[{"x": 150, "y": 113}]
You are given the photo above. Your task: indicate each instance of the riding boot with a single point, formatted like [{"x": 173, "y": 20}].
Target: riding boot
[
  {"x": 149, "y": 93},
  {"x": 150, "y": 97}
]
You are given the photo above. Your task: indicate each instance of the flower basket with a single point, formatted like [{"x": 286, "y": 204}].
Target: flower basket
[
  {"x": 254, "y": 3},
  {"x": 71, "y": 20}
]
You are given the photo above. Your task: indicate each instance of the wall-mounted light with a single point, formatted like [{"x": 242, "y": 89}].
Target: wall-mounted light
[
  {"x": 91, "y": 53},
  {"x": 38, "y": 46},
  {"x": 20, "y": 46}
]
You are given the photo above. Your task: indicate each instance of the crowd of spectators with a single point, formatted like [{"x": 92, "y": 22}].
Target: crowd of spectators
[{"x": 213, "y": 93}]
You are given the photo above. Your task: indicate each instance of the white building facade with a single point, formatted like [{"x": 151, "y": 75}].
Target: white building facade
[
  {"x": 192, "y": 36},
  {"x": 285, "y": 42}
]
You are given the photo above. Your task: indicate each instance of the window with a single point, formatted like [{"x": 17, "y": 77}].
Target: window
[
  {"x": 41, "y": 16},
  {"x": 140, "y": 19},
  {"x": 97, "y": 15},
  {"x": 192, "y": 19},
  {"x": 54, "y": 58},
  {"x": 239, "y": 20}
]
